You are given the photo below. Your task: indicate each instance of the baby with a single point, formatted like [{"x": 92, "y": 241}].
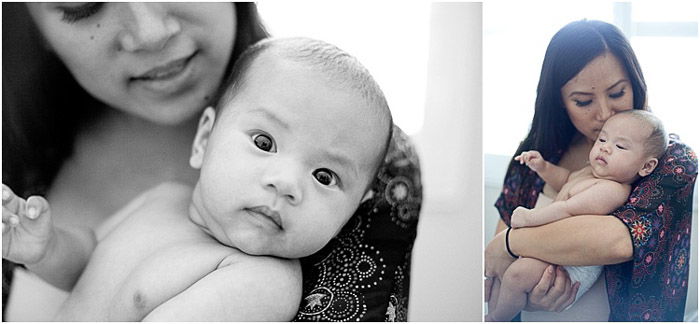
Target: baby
[
  {"x": 285, "y": 160},
  {"x": 628, "y": 147}
]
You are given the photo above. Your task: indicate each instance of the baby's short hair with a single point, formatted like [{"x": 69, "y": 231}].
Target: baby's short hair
[
  {"x": 325, "y": 58},
  {"x": 657, "y": 142}
]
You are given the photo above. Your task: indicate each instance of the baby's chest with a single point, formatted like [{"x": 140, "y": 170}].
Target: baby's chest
[
  {"x": 136, "y": 270},
  {"x": 576, "y": 186}
]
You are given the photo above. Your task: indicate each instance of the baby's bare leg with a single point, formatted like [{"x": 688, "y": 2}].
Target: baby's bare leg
[
  {"x": 518, "y": 281},
  {"x": 493, "y": 302}
]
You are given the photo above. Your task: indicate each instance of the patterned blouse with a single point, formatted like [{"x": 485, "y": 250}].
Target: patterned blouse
[
  {"x": 654, "y": 284},
  {"x": 363, "y": 274}
]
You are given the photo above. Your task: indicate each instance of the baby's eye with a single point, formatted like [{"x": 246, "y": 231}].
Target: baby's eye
[
  {"x": 325, "y": 177},
  {"x": 621, "y": 147},
  {"x": 582, "y": 103},
  {"x": 264, "y": 143},
  {"x": 618, "y": 94},
  {"x": 601, "y": 140}
]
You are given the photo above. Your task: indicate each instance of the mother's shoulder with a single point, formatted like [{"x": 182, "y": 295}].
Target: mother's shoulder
[{"x": 680, "y": 154}]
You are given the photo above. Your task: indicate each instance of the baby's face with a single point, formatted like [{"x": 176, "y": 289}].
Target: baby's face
[
  {"x": 619, "y": 152},
  {"x": 287, "y": 162}
]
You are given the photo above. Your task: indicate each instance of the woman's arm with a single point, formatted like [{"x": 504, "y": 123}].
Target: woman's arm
[{"x": 581, "y": 240}]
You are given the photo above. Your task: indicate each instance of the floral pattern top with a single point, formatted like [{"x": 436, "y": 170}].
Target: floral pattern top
[
  {"x": 654, "y": 284},
  {"x": 363, "y": 273}
]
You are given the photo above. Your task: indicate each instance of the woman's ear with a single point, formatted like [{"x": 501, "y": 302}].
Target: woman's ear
[
  {"x": 201, "y": 139},
  {"x": 648, "y": 167}
]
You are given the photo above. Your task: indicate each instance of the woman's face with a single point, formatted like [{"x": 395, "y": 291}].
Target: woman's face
[
  {"x": 158, "y": 61},
  {"x": 600, "y": 90}
]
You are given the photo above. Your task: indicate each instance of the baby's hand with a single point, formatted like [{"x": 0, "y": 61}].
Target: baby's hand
[
  {"x": 533, "y": 159},
  {"x": 26, "y": 227},
  {"x": 521, "y": 217}
]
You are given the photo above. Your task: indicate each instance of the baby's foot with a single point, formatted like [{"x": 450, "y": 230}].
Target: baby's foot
[{"x": 520, "y": 218}]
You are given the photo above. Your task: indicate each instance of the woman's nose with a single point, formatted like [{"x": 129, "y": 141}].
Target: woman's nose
[
  {"x": 150, "y": 29},
  {"x": 284, "y": 182},
  {"x": 604, "y": 111}
]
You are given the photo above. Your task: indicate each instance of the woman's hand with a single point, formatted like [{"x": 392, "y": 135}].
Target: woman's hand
[
  {"x": 496, "y": 261},
  {"x": 554, "y": 292}
]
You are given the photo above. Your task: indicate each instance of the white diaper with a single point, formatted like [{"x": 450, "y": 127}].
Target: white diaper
[{"x": 586, "y": 275}]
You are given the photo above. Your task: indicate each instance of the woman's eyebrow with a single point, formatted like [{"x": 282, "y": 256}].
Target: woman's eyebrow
[
  {"x": 590, "y": 93},
  {"x": 615, "y": 84},
  {"x": 580, "y": 93}
]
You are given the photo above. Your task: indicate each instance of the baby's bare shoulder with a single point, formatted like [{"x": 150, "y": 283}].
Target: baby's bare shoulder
[
  {"x": 169, "y": 190},
  {"x": 260, "y": 266},
  {"x": 613, "y": 186},
  {"x": 167, "y": 197},
  {"x": 246, "y": 285}
]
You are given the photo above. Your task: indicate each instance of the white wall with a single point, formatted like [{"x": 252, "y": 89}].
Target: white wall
[{"x": 446, "y": 271}]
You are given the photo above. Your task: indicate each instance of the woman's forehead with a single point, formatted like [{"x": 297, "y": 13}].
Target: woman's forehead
[{"x": 602, "y": 73}]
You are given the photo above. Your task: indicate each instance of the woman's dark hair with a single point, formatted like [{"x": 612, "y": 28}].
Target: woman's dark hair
[
  {"x": 43, "y": 106},
  {"x": 569, "y": 51}
]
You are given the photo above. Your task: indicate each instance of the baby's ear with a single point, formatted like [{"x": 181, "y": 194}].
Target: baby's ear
[
  {"x": 199, "y": 147},
  {"x": 648, "y": 167}
]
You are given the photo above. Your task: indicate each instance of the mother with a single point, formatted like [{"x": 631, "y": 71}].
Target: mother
[
  {"x": 589, "y": 73},
  {"x": 100, "y": 102}
]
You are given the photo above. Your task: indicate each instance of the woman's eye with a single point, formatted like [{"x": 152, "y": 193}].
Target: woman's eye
[
  {"x": 264, "y": 143},
  {"x": 72, "y": 14},
  {"x": 325, "y": 177},
  {"x": 617, "y": 94},
  {"x": 583, "y": 103}
]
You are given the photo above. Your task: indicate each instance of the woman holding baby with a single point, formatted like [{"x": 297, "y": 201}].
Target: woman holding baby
[
  {"x": 590, "y": 73},
  {"x": 101, "y": 102}
]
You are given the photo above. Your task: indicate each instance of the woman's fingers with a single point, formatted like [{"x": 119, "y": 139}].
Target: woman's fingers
[
  {"x": 562, "y": 290},
  {"x": 557, "y": 293},
  {"x": 572, "y": 296},
  {"x": 545, "y": 283}
]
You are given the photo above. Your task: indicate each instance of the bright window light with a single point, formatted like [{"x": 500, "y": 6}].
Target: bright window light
[
  {"x": 390, "y": 38},
  {"x": 663, "y": 35}
]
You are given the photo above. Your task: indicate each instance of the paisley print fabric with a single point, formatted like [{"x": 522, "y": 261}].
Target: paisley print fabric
[
  {"x": 653, "y": 286},
  {"x": 363, "y": 273}
]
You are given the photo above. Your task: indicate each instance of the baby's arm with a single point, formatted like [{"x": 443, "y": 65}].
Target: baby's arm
[
  {"x": 553, "y": 175},
  {"x": 602, "y": 198},
  {"x": 29, "y": 237},
  {"x": 257, "y": 288}
]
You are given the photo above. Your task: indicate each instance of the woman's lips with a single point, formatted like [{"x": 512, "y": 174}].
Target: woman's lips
[{"x": 167, "y": 78}]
